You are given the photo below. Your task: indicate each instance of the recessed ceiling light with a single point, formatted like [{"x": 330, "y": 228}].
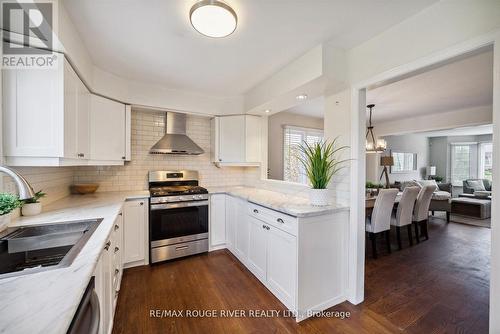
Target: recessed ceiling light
[
  {"x": 267, "y": 111},
  {"x": 301, "y": 97},
  {"x": 213, "y": 18}
]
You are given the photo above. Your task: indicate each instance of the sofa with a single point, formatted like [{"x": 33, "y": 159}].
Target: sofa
[
  {"x": 477, "y": 188},
  {"x": 441, "y": 198}
]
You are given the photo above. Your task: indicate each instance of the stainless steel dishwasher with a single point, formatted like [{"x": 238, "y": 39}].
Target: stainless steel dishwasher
[{"x": 87, "y": 316}]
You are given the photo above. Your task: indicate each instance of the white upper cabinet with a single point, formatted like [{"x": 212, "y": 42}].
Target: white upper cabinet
[
  {"x": 47, "y": 120},
  {"x": 76, "y": 116},
  {"x": 108, "y": 129},
  {"x": 236, "y": 140}
]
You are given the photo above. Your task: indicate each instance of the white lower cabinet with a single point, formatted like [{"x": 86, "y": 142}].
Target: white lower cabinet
[
  {"x": 301, "y": 260},
  {"x": 135, "y": 233},
  {"x": 217, "y": 228},
  {"x": 281, "y": 255},
  {"x": 108, "y": 275},
  {"x": 257, "y": 247}
]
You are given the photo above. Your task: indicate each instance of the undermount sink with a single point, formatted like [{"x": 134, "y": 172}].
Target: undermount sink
[{"x": 32, "y": 249}]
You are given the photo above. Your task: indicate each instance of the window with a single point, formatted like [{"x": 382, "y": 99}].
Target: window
[
  {"x": 460, "y": 163},
  {"x": 293, "y": 171},
  {"x": 485, "y": 160},
  {"x": 404, "y": 162}
]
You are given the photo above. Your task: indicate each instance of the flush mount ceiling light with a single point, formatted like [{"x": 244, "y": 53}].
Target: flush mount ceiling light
[
  {"x": 213, "y": 18},
  {"x": 301, "y": 97}
]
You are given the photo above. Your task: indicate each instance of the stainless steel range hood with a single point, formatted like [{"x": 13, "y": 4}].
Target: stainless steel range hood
[{"x": 175, "y": 140}]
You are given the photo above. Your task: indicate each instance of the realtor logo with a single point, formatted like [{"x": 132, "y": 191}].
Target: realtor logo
[{"x": 27, "y": 40}]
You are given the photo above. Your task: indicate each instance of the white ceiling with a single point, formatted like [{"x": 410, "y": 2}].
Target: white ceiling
[
  {"x": 153, "y": 41},
  {"x": 465, "y": 83},
  {"x": 313, "y": 108}
]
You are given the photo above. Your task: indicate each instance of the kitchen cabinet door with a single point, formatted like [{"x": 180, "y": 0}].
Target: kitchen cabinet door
[
  {"x": 253, "y": 139},
  {"x": 231, "y": 218},
  {"x": 83, "y": 121},
  {"x": 33, "y": 112},
  {"x": 257, "y": 247},
  {"x": 107, "y": 134},
  {"x": 281, "y": 265},
  {"x": 135, "y": 231},
  {"x": 241, "y": 242},
  {"x": 70, "y": 113},
  {"x": 217, "y": 220},
  {"x": 232, "y": 139},
  {"x": 104, "y": 289}
]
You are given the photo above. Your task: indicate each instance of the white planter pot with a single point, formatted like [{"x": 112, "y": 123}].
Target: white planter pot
[
  {"x": 4, "y": 221},
  {"x": 31, "y": 209},
  {"x": 318, "y": 197}
]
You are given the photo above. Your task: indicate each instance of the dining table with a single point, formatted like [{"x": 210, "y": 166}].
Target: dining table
[{"x": 370, "y": 203}]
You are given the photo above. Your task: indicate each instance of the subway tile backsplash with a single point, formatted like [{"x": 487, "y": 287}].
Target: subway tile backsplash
[{"x": 147, "y": 129}]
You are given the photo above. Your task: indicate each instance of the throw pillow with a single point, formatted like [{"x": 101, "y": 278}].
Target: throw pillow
[{"x": 476, "y": 185}]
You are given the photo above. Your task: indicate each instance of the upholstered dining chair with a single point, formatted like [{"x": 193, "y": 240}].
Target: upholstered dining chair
[
  {"x": 421, "y": 211},
  {"x": 380, "y": 220},
  {"x": 404, "y": 213}
]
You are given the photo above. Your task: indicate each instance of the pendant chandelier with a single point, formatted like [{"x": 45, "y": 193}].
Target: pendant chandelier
[{"x": 372, "y": 145}]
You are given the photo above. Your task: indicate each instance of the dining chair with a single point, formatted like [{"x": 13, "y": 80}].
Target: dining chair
[
  {"x": 421, "y": 210},
  {"x": 380, "y": 220},
  {"x": 404, "y": 213}
]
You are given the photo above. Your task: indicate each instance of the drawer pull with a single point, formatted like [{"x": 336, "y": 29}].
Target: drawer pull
[
  {"x": 117, "y": 271},
  {"x": 120, "y": 214},
  {"x": 279, "y": 220},
  {"x": 141, "y": 203},
  {"x": 255, "y": 211},
  {"x": 107, "y": 245},
  {"x": 263, "y": 226},
  {"x": 268, "y": 228},
  {"x": 116, "y": 227},
  {"x": 181, "y": 248},
  {"x": 117, "y": 249}
]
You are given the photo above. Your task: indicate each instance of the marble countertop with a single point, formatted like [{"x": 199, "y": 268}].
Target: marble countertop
[
  {"x": 46, "y": 302},
  {"x": 292, "y": 205}
]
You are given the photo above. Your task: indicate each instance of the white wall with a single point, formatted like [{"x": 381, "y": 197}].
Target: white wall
[
  {"x": 275, "y": 138},
  {"x": 439, "y": 152},
  {"x": 411, "y": 143}
]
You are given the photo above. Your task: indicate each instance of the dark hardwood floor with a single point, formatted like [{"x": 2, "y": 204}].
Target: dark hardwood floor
[{"x": 438, "y": 286}]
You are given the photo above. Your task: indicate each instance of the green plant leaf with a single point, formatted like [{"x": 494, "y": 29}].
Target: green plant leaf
[{"x": 320, "y": 162}]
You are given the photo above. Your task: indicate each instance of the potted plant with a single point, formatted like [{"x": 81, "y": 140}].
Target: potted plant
[
  {"x": 8, "y": 203},
  {"x": 321, "y": 164},
  {"x": 32, "y": 206}
]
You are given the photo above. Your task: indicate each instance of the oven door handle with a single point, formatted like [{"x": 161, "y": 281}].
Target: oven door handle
[{"x": 178, "y": 205}]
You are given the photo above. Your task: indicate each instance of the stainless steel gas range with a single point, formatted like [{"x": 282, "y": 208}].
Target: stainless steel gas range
[{"x": 178, "y": 218}]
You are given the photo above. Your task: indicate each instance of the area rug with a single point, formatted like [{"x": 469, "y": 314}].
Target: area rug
[{"x": 470, "y": 220}]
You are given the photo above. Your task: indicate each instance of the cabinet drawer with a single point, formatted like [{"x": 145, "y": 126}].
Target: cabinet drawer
[{"x": 277, "y": 219}]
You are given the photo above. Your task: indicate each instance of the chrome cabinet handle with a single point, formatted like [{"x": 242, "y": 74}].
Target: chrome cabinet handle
[
  {"x": 80, "y": 155},
  {"x": 181, "y": 248},
  {"x": 117, "y": 249},
  {"x": 141, "y": 203},
  {"x": 255, "y": 211},
  {"x": 107, "y": 245},
  {"x": 116, "y": 227},
  {"x": 279, "y": 220},
  {"x": 117, "y": 271},
  {"x": 123, "y": 158},
  {"x": 263, "y": 226},
  {"x": 120, "y": 214},
  {"x": 268, "y": 228}
]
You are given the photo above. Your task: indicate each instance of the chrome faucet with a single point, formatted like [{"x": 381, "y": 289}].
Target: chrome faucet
[{"x": 25, "y": 190}]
